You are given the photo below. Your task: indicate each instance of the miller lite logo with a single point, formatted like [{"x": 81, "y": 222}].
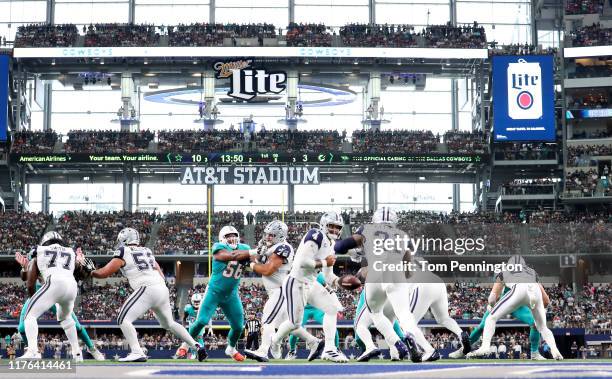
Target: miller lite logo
[
  {"x": 524, "y": 90},
  {"x": 246, "y": 82}
]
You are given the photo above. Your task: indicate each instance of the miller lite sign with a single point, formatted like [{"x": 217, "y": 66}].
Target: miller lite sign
[
  {"x": 246, "y": 82},
  {"x": 523, "y": 98}
]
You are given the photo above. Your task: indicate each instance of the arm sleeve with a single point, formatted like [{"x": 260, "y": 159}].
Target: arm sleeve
[{"x": 344, "y": 245}]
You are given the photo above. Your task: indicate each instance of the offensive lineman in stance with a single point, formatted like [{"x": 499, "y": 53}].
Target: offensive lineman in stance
[
  {"x": 55, "y": 264},
  {"x": 82, "y": 333},
  {"x": 138, "y": 265},
  {"x": 274, "y": 264},
  {"x": 525, "y": 289}
]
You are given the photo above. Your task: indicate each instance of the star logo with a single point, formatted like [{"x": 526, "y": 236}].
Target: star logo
[{"x": 178, "y": 158}]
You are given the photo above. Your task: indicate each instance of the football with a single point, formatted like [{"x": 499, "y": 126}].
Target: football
[{"x": 349, "y": 282}]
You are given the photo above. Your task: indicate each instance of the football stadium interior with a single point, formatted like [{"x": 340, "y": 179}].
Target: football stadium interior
[{"x": 217, "y": 144}]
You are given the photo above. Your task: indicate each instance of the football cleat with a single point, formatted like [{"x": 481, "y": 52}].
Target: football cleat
[
  {"x": 477, "y": 353},
  {"x": 276, "y": 350},
  {"x": 235, "y": 354},
  {"x": 367, "y": 355},
  {"x": 316, "y": 347},
  {"x": 402, "y": 350},
  {"x": 394, "y": 354},
  {"x": 457, "y": 354},
  {"x": 415, "y": 354},
  {"x": 465, "y": 341},
  {"x": 30, "y": 354},
  {"x": 256, "y": 355},
  {"x": 334, "y": 356},
  {"x": 96, "y": 354},
  {"x": 78, "y": 357},
  {"x": 557, "y": 355},
  {"x": 291, "y": 355},
  {"x": 202, "y": 353},
  {"x": 430, "y": 356},
  {"x": 536, "y": 356},
  {"x": 181, "y": 353},
  {"x": 133, "y": 357}
]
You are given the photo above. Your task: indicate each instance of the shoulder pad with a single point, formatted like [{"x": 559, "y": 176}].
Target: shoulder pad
[
  {"x": 119, "y": 253},
  {"x": 359, "y": 230},
  {"x": 283, "y": 250},
  {"x": 314, "y": 235}
]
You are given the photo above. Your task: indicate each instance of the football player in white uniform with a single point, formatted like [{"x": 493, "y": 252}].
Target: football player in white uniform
[
  {"x": 379, "y": 291},
  {"x": 55, "y": 263},
  {"x": 525, "y": 289},
  {"x": 274, "y": 264},
  {"x": 428, "y": 292},
  {"x": 138, "y": 265},
  {"x": 300, "y": 287}
]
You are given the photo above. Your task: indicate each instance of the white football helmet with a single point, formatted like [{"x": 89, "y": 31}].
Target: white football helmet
[
  {"x": 277, "y": 230},
  {"x": 332, "y": 218},
  {"x": 196, "y": 300},
  {"x": 384, "y": 215},
  {"x": 231, "y": 241},
  {"x": 128, "y": 236},
  {"x": 51, "y": 237}
]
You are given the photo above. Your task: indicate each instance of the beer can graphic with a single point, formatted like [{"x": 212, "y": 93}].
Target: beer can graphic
[{"x": 524, "y": 90}]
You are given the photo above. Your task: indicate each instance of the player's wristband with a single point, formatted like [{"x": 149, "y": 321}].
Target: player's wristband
[
  {"x": 323, "y": 263},
  {"x": 252, "y": 265},
  {"x": 253, "y": 252}
]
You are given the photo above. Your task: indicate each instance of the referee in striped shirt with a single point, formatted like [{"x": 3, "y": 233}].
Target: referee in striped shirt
[{"x": 253, "y": 327}]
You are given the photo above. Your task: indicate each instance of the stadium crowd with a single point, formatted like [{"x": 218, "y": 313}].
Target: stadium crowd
[
  {"x": 584, "y": 182},
  {"x": 518, "y": 49},
  {"x": 465, "y": 142},
  {"x": 303, "y": 35},
  {"x": 21, "y": 231},
  {"x": 108, "y": 141},
  {"x": 204, "y": 34},
  {"x": 96, "y": 232},
  {"x": 199, "y": 140},
  {"x": 368, "y": 35},
  {"x": 187, "y": 232},
  {"x": 395, "y": 141},
  {"x": 598, "y": 99},
  {"x": 289, "y": 141},
  {"x": 46, "y": 35},
  {"x": 601, "y": 69},
  {"x": 525, "y": 151},
  {"x": 126, "y": 35},
  {"x": 593, "y": 35},
  {"x": 582, "y": 155},
  {"x": 312, "y": 141},
  {"x": 27, "y": 142},
  {"x": 573, "y": 7},
  {"x": 529, "y": 187}
]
